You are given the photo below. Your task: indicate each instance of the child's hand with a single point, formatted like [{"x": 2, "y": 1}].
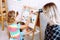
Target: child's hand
[
  {"x": 28, "y": 21},
  {"x": 26, "y": 34}
]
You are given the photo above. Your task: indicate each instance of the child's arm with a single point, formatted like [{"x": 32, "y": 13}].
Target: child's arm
[{"x": 23, "y": 26}]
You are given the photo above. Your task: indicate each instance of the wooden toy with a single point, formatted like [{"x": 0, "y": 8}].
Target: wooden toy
[{"x": 3, "y": 12}]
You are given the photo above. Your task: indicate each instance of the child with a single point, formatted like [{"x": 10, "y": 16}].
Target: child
[
  {"x": 52, "y": 31},
  {"x": 13, "y": 27}
]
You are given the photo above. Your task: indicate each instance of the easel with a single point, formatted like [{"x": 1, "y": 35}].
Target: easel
[
  {"x": 2, "y": 11},
  {"x": 37, "y": 23}
]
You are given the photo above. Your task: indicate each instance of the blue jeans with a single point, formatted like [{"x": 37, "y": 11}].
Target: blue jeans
[
  {"x": 21, "y": 37},
  {"x": 16, "y": 39}
]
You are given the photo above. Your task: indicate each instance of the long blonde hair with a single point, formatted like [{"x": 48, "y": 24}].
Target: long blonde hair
[{"x": 51, "y": 12}]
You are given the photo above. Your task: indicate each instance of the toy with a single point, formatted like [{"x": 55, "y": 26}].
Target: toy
[{"x": 3, "y": 12}]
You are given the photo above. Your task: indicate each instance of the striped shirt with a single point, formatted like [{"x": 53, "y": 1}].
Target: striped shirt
[{"x": 14, "y": 30}]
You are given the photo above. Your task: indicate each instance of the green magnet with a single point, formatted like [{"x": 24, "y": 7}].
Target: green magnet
[{"x": 19, "y": 0}]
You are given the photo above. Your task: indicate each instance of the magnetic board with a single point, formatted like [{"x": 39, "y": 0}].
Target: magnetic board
[
  {"x": 31, "y": 15},
  {"x": 25, "y": 15}
]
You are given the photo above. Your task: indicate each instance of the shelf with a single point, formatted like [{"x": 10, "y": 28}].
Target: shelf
[
  {"x": 3, "y": 0},
  {"x": 3, "y": 12}
]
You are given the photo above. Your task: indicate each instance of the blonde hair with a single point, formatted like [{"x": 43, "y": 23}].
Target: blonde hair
[{"x": 51, "y": 13}]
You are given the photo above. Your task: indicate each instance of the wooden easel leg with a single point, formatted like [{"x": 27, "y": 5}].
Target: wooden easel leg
[
  {"x": 33, "y": 35},
  {"x": 2, "y": 23},
  {"x": 40, "y": 29},
  {"x": 2, "y": 17},
  {"x": 40, "y": 33}
]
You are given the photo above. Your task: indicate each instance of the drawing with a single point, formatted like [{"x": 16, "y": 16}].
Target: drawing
[
  {"x": 31, "y": 15},
  {"x": 25, "y": 15}
]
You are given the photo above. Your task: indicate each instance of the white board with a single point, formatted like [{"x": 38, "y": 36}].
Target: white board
[
  {"x": 31, "y": 15},
  {"x": 25, "y": 15}
]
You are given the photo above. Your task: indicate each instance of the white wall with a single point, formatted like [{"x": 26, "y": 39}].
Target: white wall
[{"x": 17, "y": 5}]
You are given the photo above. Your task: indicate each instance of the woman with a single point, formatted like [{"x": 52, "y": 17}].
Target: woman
[{"x": 52, "y": 31}]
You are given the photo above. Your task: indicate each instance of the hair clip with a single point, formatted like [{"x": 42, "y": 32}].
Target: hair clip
[{"x": 40, "y": 10}]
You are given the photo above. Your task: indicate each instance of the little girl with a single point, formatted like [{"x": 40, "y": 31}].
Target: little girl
[{"x": 13, "y": 27}]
